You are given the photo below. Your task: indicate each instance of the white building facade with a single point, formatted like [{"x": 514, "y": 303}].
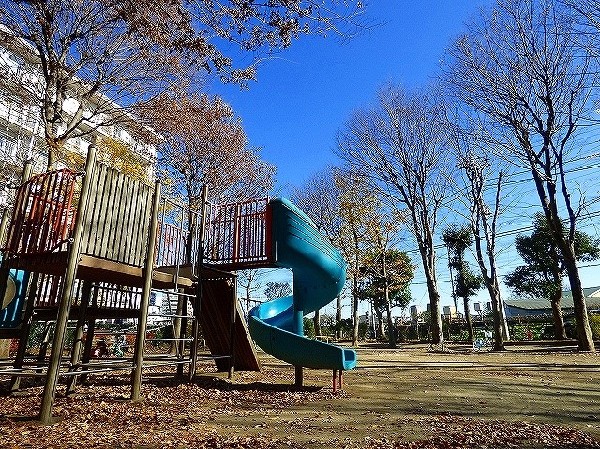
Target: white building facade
[{"x": 22, "y": 130}]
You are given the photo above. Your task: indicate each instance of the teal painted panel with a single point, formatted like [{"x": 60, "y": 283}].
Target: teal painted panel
[
  {"x": 14, "y": 299},
  {"x": 319, "y": 273}
]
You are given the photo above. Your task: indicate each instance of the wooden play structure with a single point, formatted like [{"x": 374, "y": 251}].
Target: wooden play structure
[{"x": 99, "y": 245}]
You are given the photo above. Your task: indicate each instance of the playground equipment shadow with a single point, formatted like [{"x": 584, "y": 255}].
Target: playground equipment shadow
[{"x": 481, "y": 394}]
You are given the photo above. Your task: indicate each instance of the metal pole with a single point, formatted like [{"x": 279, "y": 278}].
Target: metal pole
[
  {"x": 136, "y": 383},
  {"x": 198, "y": 299},
  {"x": 78, "y": 338},
  {"x": 67, "y": 295},
  {"x": 232, "y": 329}
]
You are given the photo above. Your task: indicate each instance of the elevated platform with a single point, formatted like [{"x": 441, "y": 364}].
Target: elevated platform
[{"x": 96, "y": 269}]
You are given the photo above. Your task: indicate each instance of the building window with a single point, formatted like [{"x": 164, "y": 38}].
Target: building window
[{"x": 8, "y": 146}]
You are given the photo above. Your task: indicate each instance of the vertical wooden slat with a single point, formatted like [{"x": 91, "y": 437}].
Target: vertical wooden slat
[
  {"x": 112, "y": 224},
  {"x": 88, "y": 239},
  {"x": 124, "y": 214},
  {"x": 100, "y": 201},
  {"x": 107, "y": 216},
  {"x": 138, "y": 225},
  {"x": 129, "y": 222}
]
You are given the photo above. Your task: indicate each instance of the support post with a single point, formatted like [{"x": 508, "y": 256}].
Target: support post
[
  {"x": 298, "y": 328},
  {"x": 67, "y": 295},
  {"x": 89, "y": 338},
  {"x": 298, "y": 376},
  {"x": 176, "y": 345},
  {"x": 76, "y": 351},
  {"x": 198, "y": 300},
  {"x": 183, "y": 336},
  {"x": 43, "y": 351},
  {"x": 232, "y": 329},
  {"x": 136, "y": 383}
]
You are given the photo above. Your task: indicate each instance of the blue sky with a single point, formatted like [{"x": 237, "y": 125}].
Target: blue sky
[{"x": 304, "y": 94}]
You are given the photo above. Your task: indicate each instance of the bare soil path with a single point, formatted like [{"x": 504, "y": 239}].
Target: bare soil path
[{"x": 525, "y": 397}]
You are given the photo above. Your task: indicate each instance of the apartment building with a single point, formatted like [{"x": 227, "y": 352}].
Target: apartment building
[{"x": 21, "y": 127}]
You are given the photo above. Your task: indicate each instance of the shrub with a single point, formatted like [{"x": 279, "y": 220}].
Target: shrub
[{"x": 595, "y": 326}]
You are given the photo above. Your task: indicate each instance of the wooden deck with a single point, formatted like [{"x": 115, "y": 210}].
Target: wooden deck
[{"x": 95, "y": 269}]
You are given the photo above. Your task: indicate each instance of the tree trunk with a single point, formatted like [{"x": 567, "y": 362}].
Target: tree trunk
[
  {"x": 355, "y": 297},
  {"x": 468, "y": 318},
  {"x": 317, "y": 322},
  {"x": 557, "y": 317},
  {"x": 435, "y": 319},
  {"x": 386, "y": 298},
  {"x": 584, "y": 332},
  {"x": 495, "y": 299},
  {"x": 435, "y": 312},
  {"x": 379, "y": 330},
  {"x": 503, "y": 322},
  {"x": 391, "y": 329}
]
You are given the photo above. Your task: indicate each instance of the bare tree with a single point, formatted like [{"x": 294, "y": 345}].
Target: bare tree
[
  {"x": 523, "y": 65},
  {"x": 86, "y": 55},
  {"x": 479, "y": 185},
  {"x": 390, "y": 270},
  {"x": 249, "y": 282},
  {"x": 399, "y": 148},
  {"x": 357, "y": 207},
  {"x": 277, "y": 289},
  {"x": 205, "y": 144},
  {"x": 484, "y": 224}
]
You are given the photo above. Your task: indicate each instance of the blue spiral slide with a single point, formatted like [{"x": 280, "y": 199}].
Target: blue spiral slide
[{"x": 319, "y": 273}]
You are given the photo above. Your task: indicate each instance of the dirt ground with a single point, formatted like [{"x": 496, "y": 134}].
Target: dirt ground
[{"x": 527, "y": 396}]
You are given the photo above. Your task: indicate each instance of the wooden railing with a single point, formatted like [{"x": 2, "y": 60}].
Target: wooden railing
[{"x": 117, "y": 219}]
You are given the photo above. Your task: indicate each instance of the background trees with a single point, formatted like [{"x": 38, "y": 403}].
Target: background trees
[
  {"x": 465, "y": 282},
  {"x": 357, "y": 210},
  {"x": 204, "y": 144},
  {"x": 399, "y": 148},
  {"x": 389, "y": 272},
  {"x": 319, "y": 198},
  {"x": 542, "y": 274},
  {"x": 524, "y": 67},
  {"x": 277, "y": 290}
]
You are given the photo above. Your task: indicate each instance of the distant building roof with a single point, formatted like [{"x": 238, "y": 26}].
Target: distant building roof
[{"x": 592, "y": 300}]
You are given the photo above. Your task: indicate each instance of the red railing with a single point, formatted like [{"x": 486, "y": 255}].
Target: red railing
[
  {"x": 44, "y": 216},
  {"x": 238, "y": 234},
  {"x": 179, "y": 235}
]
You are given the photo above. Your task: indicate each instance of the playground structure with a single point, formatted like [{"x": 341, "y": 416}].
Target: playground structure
[{"x": 84, "y": 247}]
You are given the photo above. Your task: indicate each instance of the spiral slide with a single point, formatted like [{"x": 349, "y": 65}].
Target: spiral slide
[{"x": 319, "y": 272}]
